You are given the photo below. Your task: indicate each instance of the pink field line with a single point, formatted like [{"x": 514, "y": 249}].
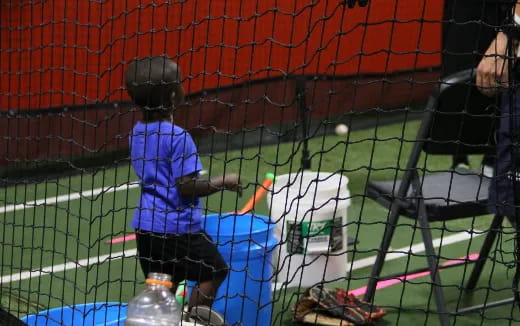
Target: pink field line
[
  {"x": 132, "y": 236},
  {"x": 125, "y": 238},
  {"x": 400, "y": 279}
]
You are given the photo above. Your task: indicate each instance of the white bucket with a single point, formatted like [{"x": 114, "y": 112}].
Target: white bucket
[{"x": 310, "y": 211}]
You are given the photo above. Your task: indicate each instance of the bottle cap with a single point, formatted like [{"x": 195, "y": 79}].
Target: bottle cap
[{"x": 159, "y": 282}]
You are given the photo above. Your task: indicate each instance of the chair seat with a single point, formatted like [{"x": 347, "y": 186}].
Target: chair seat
[{"x": 447, "y": 195}]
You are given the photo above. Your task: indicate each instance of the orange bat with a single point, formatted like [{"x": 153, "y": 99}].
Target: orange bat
[{"x": 260, "y": 192}]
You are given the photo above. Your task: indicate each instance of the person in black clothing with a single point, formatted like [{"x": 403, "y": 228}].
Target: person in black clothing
[
  {"x": 470, "y": 40},
  {"x": 494, "y": 75},
  {"x": 468, "y": 30}
]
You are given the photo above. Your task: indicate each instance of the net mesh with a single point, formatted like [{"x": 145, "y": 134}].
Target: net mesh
[{"x": 367, "y": 114}]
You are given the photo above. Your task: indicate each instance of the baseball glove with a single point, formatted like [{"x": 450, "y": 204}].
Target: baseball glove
[
  {"x": 319, "y": 306},
  {"x": 369, "y": 311}
]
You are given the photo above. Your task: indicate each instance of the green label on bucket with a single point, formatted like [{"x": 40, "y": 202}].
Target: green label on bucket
[
  {"x": 314, "y": 237},
  {"x": 294, "y": 238},
  {"x": 317, "y": 235}
]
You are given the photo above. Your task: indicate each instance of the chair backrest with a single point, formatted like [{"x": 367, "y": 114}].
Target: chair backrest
[{"x": 461, "y": 119}]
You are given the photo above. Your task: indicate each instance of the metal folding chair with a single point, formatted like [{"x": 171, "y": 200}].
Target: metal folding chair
[{"x": 457, "y": 120}]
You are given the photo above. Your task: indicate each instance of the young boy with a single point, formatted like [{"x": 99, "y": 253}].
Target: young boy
[{"x": 168, "y": 217}]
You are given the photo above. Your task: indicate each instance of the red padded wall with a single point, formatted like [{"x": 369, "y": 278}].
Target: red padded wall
[{"x": 59, "y": 52}]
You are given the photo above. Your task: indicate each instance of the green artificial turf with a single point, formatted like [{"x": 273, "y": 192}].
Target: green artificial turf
[{"x": 56, "y": 233}]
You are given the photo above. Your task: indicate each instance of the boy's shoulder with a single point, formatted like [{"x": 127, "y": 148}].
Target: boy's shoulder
[
  {"x": 165, "y": 127},
  {"x": 164, "y": 132}
]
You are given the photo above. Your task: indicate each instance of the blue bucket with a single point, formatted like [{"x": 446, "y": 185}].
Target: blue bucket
[
  {"x": 246, "y": 243},
  {"x": 94, "y": 314}
]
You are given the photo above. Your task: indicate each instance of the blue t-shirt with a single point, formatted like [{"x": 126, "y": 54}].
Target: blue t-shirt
[{"x": 161, "y": 152}]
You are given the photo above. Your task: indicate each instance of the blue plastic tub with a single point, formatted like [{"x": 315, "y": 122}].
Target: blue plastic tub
[
  {"x": 246, "y": 242},
  {"x": 92, "y": 314},
  {"x": 238, "y": 229}
]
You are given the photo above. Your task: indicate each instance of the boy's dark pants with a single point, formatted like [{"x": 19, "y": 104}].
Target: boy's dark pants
[{"x": 188, "y": 256}]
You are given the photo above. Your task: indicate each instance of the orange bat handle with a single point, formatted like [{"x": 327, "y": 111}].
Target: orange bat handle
[{"x": 260, "y": 192}]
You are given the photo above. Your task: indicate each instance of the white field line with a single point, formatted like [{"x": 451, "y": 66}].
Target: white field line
[
  {"x": 358, "y": 264},
  {"x": 401, "y": 252},
  {"x": 71, "y": 196},
  {"x": 68, "y": 266},
  {"x": 415, "y": 249}
]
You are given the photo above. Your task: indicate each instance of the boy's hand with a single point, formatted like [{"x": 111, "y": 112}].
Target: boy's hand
[{"x": 231, "y": 182}]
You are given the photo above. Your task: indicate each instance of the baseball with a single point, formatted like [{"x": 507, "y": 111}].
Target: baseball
[{"x": 341, "y": 130}]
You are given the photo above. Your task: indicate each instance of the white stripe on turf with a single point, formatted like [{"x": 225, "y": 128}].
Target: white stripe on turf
[
  {"x": 402, "y": 252},
  {"x": 358, "y": 264},
  {"x": 70, "y": 265},
  {"x": 83, "y": 263},
  {"x": 415, "y": 249},
  {"x": 67, "y": 197}
]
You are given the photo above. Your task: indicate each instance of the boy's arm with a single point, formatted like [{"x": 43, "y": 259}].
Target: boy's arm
[{"x": 191, "y": 186}]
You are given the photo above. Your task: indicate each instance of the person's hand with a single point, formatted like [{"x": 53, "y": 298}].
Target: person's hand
[
  {"x": 492, "y": 71},
  {"x": 231, "y": 182}
]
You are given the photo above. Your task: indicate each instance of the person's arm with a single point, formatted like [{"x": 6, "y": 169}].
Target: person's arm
[
  {"x": 191, "y": 186},
  {"x": 492, "y": 70}
]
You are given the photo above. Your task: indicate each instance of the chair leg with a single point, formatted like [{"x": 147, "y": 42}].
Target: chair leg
[
  {"x": 381, "y": 254},
  {"x": 511, "y": 220},
  {"x": 486, "y": 305},
  {"x": 431, "y": 257},
  {"x": 484, "y": 251}
]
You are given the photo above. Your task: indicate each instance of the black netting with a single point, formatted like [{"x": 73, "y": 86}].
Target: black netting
[{"x": 360, "y": 133}]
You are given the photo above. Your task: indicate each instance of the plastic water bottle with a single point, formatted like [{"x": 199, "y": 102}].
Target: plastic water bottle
[{"x": 156, "y": 305}]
